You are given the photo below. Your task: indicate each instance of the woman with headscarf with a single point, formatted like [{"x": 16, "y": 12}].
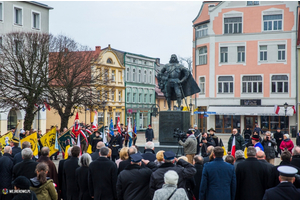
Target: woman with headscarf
[{"x": 287, "y": 143}]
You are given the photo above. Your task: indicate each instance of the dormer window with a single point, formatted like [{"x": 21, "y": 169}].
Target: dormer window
[{"x": 109, "y": 60}]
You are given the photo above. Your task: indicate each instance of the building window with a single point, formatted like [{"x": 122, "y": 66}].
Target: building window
[
  {"x": 225, "y": 123},
  {"x": 250, "y": 3},
  {"x": 241, "y": 54},
  {"x": 117, "y": 115},
  {"x": 145, "y": 77},
  {"x": 225, "y": 84},
  {"x": 150, "y": 77},
  {"x": 113, "y": 75},
  {"x": 271, "y": 123},
  {"x": 100, "y": 118},
  {"x": 263, "y": 53},
  {"x": 150, "y": 98},
  {"x": 127, "y": 74},
  {"x": 272, "y": 22},
  {"x": 224, "y": 54},
  {"x": 113, "y": 96},
  {"x": 18, "y": 16},
  {"x": 140, "y": 76},
  {"x": 140, "y": 98},
  {"x": 18, "y": 47},
  {"x": 145, "y": 98},
  {"x": 203, "y": 56},
  {"x": 233, "y": 25},
  {"x": 133, "y": 98},
  {"x": 133, "y": 75},
  {"x": 35, "y": 20},
  {"x": 106, "y": 74},
  {"x": 202, "y": 85},
  {"x": 109, "y": 61},
  {"x": 252, "y": 84},
  {"x": 281, "y": 52},
  {"x": 201, "y": 31},
  {"x": 143, "y": 120},
  {"x": 280, "y": 84},
  {"x": 120, "y": 96},
  {"x": 128, "y": 97},
  {"x": 134, "y": 60},
  {"x": 120, "y": 77},
  {"x": 1, "y": 11}
]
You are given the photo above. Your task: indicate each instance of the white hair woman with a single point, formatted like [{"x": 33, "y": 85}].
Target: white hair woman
[
  {"x": 169, "y": 190},
  {"x": 287, "y": 143},
  {"x": 82, "y": 176}
]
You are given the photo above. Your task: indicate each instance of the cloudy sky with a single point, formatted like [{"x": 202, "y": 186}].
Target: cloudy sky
[{"x": 152, "y": 28}]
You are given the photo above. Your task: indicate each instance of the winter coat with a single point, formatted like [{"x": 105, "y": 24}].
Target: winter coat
[
  {"x": 115, "y": 144},
  {"x": 149, "y": 134},
  {"x": 62, "y": 186},
  {"x": 165, "y": 192},
  {"x": 123, "y": 164},
  {"x": 269, "y": 148},
  {"x": 95, "y": 142},
  {"x": 44, "y": 191},
  {"x": 15, "y": 150},
  {"x": 239, "y": 160},
  {"x": 190, "y": 145},
  {"x": 149, "y": 154},
  {"x": 226, "y": 184},
  {"x": 216, "y": 139},
  {"x": 296, "y": 160},
  {"x": 210, "y": 142},
  {"x": 288, "y": 143},
  {"x": 239, "y": 142},
  {"x": 247, "y": 134},
  {"x": 285, "y": 190},
  {"x": 18, "y": 158},
  {"x": 133, "y": 182},
  {"x": 69, "y": 177},
  {"x": 52, "y": 173},
  {"x": 277, "y": 136},
  {"x": 25, "y": 168},
  {"x": 184, "y": 170},
  {"x": 197, "y": 177},
  {"x": 298, "y": 139},
  {"x": 21, "y": 196},
  {"x": 6, "y": 168},
  {"x": 103, "y": 179},
  {"x": 95, "y": 155},
  {"x": 83, "y": 183}
]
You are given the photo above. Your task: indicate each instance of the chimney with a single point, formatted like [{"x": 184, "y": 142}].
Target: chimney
[{"x": 97, "y": 49}]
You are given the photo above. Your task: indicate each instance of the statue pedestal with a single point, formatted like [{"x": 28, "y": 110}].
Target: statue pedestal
[{"x": 170, "y": 120}]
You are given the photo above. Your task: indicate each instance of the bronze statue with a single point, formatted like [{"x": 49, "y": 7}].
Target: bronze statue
[{"x": 176, "y": 81}]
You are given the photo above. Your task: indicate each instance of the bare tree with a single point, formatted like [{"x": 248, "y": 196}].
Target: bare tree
[
  {"x": 24, "y": 72},
  {"x": 76, "y": 80},
  {"x": 188, "y": 61}
]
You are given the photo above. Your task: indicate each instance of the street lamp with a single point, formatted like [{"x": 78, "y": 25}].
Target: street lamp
[{"x": 285, "y": 110}]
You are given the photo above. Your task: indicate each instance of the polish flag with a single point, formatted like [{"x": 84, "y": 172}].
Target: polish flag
[
  {"x": 118, "y": 125},
  {"x": 233, "y": 147},
  {"x": 95, "y": 123},
  {"x": 276, "y": 109},
  {"x": 76, "y": 126},
  {"x": 294, "y": 108}
]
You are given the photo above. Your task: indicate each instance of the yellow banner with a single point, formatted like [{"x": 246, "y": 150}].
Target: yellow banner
[
  {"x": 48, "y": 140},
  {"x": 245, "y": 152},
  {"x": 33, "y": 141},
  {"x": 185, "y": 108},
  {"x": 4, "y": 139}
]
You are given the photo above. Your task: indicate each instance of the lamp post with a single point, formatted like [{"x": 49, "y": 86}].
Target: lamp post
[{"x": 285, "y": 110}]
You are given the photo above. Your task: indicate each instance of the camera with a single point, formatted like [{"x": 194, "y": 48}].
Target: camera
[{"x": 179, "y": 134}]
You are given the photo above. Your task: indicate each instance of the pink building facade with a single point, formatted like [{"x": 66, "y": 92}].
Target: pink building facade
[{"x": 244, "y": 55}]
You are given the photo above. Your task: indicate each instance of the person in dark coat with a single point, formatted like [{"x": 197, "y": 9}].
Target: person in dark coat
[
  {"x": 62, "y": 184},
  {"x": 278, "y": 135},
  {"x": 133, "y": 182},
  {"x": 258, "y": 130},
  {"x": 261, "y": 157},
  {"x": 82, "y": 176},
  {"x": 239, "y": 157},
  {"x": 6, "y": 166},
  {"x": 197, "y": 135},
  {"x": 149, "y": 135},
  {"x": 298, "y": 139},
  {"x": 123, "y": 164},
  {"x": 213, "y": 136},
  {"x": 103, "y": 177},
  {"x": 115, "y": 144},
  {"x": 26, "y": 167},
  {"x": 95, "y": 155},
  {"x": 204, "y": 144},
  {"x": 18, "y": 157},
  {"x": 239, "y": 141},
  {"x": 296, "y": 157},
  {"x": 251, "y": 174},
  {"x": 184, "y": 170},
  {"x": 23, "y": 183},
  {"x": 286, "y": 189},
  {"x": 15, "y": 149},
  {"x": 269, "y": 144},
  {"x": 69, "y": 175},
  {"x": 198, "y": 164},
  {"x": 95, "y": 141},
  {"x": 221, "y": 171},
  {"x": 149, "y": 153}
]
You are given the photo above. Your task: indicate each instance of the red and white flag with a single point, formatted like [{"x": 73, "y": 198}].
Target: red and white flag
[
  {"x": 294, "y": 108},
  {"x": 118, "y": 125},
  {"x": 84, "y": 136},
  {"x": 87, "y": 130},
  {"x": 233, "y": 147},
  {"x": 95, "y": 122},
  {"x": 276, "y": 109},
  {"x": 76, "y": 126}
]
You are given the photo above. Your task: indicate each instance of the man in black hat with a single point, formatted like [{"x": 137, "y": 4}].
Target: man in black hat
[
  {"x": 184, "y": 170},
  {"x": 286, "y": 189},
  {"x": 95, "y": 140},
  {"x": 278, "y": 135},
  {"x": 133, "y": 182},
  {"x": 190, "y": 146},
  {"x": 213, "y": 136},
  {"x": 15, "y": 149},
  {"x": 115, "y": 144},
  {"x": 23, "y": 183}
]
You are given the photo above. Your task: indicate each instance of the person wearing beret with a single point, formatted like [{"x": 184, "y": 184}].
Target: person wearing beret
[
  {"x": 285, "y": 190},
  {"x": 189, "y": 146},
  {"x": 133, "y": 181}
]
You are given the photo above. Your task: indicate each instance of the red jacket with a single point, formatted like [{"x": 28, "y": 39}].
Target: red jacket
[{"x": 287, "y": 144}]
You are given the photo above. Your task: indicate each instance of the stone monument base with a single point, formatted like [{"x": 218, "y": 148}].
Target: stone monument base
[{"x": 170, "y": 120}]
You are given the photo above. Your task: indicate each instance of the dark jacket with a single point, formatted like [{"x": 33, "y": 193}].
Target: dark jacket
[
  {"x": 6, "y": 168},
  {"x": 103, "y": 179},
  {"x": 44, "y": 191},
  {"x": 239, "y": 142},
  {"x": 18, "y": 158},
  {"x": 115, "y": 144},
  {"x": 269, "y": 148},
  {"x": 269, "y": 168},
  {"x": 69, "y": 174},
  {"x": 25, "y": 168},
  {"x": 251, "y": 175},
  {"x": 95, "y": 155},
  {"x": 296, "y": 161},
  {"x": 277, "y": 136},
  {"x": 239, "y": 160},
  {"x": 298, "y": 139},
  {"x": 52, "y": 173},
  {"x": 15, "y": 150},
  {"x": 95, "y": 142},
  {"x": 21, "y": 196},
  {"x": 149, "y": 154},
  {"x": 247, "y": 134},
  {"x": 149, "y": 134},
  {"x": 133, "y": 182},
  {"x": 258, "y": 130},
  {"x": 205, "y": 145},
  {"x": 83, "y": 183},
  {"x": 216, "y": 139},
  {"x": 226, "y": 184},
  {"x": 283, "y": 191},
  {"x": 197, "y": 177},
  {"x": 184, "y": 170},
  {"x": 123, "y": 164},
  {"x": 62, "y": 186}
]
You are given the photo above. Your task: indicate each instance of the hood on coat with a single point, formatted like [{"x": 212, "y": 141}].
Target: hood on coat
[{"x": 36, "y": 183}]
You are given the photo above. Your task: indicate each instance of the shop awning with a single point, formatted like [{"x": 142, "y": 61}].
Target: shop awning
[{"x": 239, "y": 110}]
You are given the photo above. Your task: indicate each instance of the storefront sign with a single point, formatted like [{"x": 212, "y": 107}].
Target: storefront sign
[{"x": 250, "y": 102}]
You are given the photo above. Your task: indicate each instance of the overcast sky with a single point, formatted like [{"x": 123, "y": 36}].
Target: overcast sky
[{"x": 152, "y": 28}]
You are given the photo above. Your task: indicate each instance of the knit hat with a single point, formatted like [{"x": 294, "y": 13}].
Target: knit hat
[
  {"x": 255, "y": 137},
  {"x": 21, "y": 182},
  {"x": 287, "y": 135}
]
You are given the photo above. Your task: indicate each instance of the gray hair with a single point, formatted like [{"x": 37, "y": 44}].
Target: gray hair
[
  {"x": 239, "y": 154},
  {"x": 171, "y": 177},
  {"x": 70, "y": 151},
  {"x": 286, "y": 135},
  {"x": 132, "y": 150},
  {"x": 7, "y": 149},
  {"x": 27, "y": 153},
  {"x": 198, "y": 159},
  {"x": 149, "y": 145},
  {"x": 104, "y": 151},
  {"x": 296, "y": 151},
  {"x": 210, "y": 149},
  {"x": 251, "y": 152},
  {"x": 85, "y": 160},
  {"x": 26, "y": 144}
]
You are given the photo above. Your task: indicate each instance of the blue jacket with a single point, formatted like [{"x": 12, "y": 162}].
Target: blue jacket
[
  {"x": 218, "y": 181},
  {"x": 259, "y": 145}
]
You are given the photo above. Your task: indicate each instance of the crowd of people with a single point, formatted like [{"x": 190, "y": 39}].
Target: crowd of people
[{"x": 117, "y": 171}]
